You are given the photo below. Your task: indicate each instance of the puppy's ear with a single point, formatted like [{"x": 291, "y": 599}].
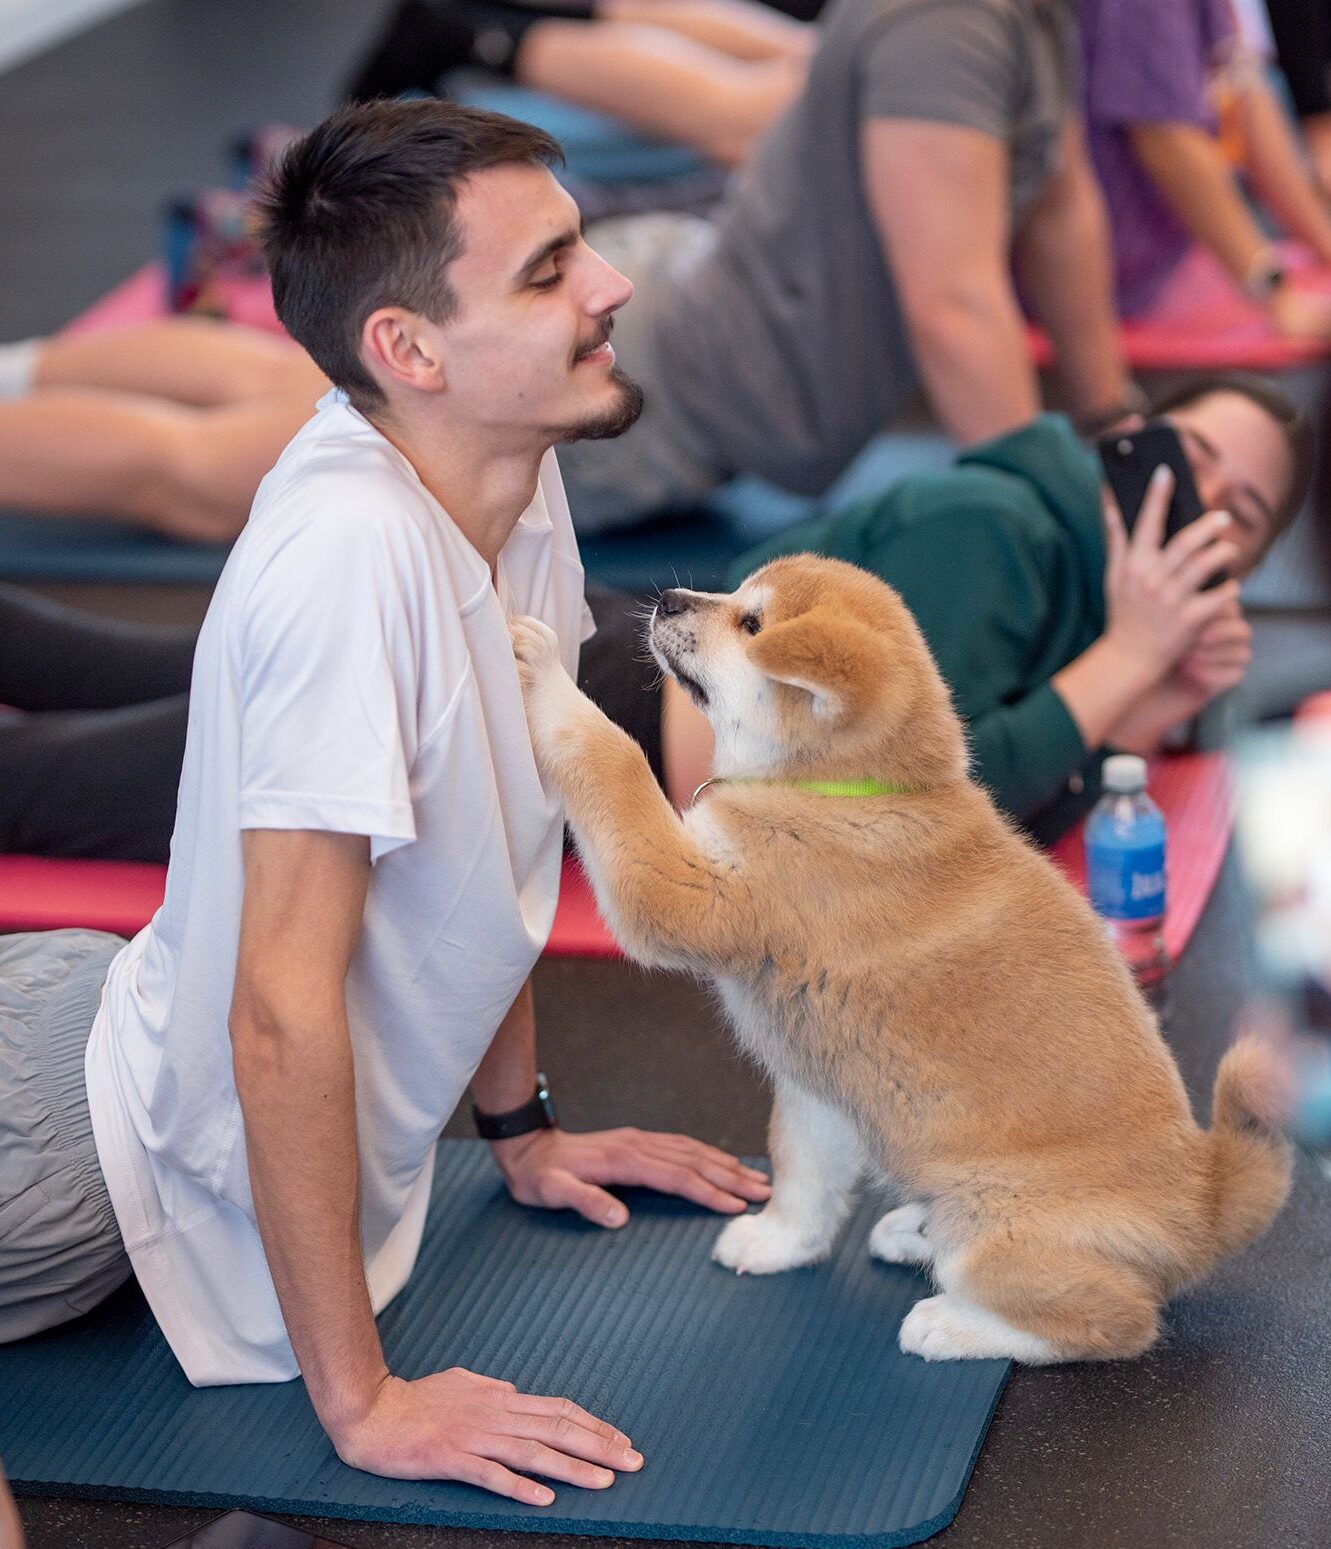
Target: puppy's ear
[{"x": 835, "y": 659}]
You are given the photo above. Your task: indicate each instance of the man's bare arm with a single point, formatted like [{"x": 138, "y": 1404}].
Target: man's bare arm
[
  {"x": 304, "y": 900},
  {"x": 939, "y": 197},
  {"x": 291, "y": 1050}
]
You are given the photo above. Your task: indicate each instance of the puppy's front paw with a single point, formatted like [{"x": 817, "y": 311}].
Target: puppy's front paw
[
  {"x": 764, "y": 1244},
  {"x": 535, "y": 647},
  {"x": 550, "y": 697}
]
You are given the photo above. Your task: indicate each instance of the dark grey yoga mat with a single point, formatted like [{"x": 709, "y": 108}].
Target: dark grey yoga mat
[{"x": 771, "y": 1410}]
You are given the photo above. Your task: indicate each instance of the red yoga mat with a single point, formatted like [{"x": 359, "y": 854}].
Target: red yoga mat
[{"x": 1195, "y": 791}]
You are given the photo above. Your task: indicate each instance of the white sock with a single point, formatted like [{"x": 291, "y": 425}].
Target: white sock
[{"x": 18, "y": 366}]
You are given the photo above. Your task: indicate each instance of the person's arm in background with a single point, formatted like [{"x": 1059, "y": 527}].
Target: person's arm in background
[
  {"x": 1277, "y": 172},
  {"x": 1216, "y": 664},
  {"x": 1302, "y": 32},
  {"x": 938, "y": 193},
  {"x": 1065, "y": 265},
  {"x": 1186, "y": 165}
]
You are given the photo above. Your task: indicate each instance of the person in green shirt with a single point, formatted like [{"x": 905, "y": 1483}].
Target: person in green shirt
[{"x": 1059, "y": 635}]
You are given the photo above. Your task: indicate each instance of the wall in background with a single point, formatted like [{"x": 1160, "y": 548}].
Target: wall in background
[{"x": 29, "y": 26}]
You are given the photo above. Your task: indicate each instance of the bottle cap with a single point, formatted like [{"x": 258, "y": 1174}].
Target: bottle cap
[{"x": 1124, "y": 773}]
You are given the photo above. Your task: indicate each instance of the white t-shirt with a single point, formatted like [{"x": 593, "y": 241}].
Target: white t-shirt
[{"x": 354, "y": 674}]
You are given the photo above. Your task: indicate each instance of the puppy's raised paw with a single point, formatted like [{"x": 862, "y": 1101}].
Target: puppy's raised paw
[
  {"x": 535, "y": 646},
  {"x": 764, "y": 1244}
]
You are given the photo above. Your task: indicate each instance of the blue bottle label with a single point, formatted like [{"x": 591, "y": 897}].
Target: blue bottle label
[{"x": 1126, "y": 884}]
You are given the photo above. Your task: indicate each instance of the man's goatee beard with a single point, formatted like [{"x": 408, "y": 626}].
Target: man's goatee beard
[{"x": 615, "y": 420}]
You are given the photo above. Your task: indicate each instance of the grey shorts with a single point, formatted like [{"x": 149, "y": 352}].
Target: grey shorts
[
  {"x": 60, "y": 1247},
  {"x": 659, "y": 464}
]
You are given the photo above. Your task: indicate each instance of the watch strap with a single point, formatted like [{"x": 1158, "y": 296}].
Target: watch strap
[{"x": 538, "y": 1112}]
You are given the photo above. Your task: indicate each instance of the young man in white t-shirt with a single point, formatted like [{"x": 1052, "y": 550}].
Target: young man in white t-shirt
[{"x": 365, "y": 863}]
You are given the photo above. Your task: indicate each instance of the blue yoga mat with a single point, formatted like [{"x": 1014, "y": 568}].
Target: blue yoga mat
[
  {"x": 771, "y": 1410},
  {"x": 59, "y": 548}
]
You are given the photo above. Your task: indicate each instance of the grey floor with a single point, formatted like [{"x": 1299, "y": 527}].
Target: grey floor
[{"x": 1221, "y": 1436}]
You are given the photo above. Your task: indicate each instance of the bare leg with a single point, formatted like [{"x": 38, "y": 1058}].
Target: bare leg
[
  {"x": 816, "y": 1163},
  {"x": 181, "y": 359},
  {"x": 188, "y": 472},
  {"x": 731, "y": 27},
  {"x": 663, "y": 82}
]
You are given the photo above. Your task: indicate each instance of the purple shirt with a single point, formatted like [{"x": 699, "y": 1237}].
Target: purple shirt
[{"x": 1145, "y": 61}]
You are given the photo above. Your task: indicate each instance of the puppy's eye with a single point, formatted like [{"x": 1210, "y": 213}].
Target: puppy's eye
[{"x": 751, "y": 623}]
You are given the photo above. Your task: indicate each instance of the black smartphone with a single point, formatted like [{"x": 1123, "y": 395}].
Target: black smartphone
[
  {"x": 1130, "y": 457},
  {"x": 243, "y": 1530}
]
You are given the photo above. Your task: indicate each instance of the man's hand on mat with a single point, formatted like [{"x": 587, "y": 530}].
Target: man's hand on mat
[
  {"x": 458, "y": 1425},
  {"x": 560, "y": 1171}
]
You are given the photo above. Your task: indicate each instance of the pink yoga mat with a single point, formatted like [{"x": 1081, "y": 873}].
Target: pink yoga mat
[
  {"x": 1194, "y": 790},
  {"x": 143, "y": 296},
  {"x": 1202, "y": 322}
]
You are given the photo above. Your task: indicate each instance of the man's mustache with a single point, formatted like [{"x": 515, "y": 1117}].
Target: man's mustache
[{"x": 607, "y": 328}]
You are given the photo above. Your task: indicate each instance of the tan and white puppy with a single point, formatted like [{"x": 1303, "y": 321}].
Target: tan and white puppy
[{"x": 933, "y": 1000}]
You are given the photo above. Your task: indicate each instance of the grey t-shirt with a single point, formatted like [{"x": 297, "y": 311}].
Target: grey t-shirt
[{"x": 785, "y": 349}]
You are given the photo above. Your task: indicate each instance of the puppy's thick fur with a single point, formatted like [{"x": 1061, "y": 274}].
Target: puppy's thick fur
[{"x": 934, "y": 1002}]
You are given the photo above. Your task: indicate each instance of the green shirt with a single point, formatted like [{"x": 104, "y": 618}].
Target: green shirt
[{"x": 1001, "y": 559}]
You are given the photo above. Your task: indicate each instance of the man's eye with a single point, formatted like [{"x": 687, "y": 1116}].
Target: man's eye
[
  {"x": 751, "y": 623},
  {"x": 548, "y": 283}
]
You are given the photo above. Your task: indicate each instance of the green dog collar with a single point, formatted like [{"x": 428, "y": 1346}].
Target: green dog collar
[{"x": 819, "y": 787}]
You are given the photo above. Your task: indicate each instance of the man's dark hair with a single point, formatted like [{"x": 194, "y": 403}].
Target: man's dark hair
[
  {"x": 360, "y": 214},
  {"x": 1296, "y": 426}
]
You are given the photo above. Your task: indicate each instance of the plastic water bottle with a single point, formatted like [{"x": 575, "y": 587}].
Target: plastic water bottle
[{"x": 1125, "y": 869}]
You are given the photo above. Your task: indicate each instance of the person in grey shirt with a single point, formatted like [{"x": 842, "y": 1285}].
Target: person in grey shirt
[{"x": 868, "y": 249}]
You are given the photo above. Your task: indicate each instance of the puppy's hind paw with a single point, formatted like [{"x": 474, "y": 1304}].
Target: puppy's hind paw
[
  {"x": 899, "y": 1237},
  {"x": 763, "y": 1244},
  {"x": 942, "y": 1328}
]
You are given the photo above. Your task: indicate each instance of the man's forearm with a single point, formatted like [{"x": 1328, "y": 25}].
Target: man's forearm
[
  {"x": 1064, "y": 260},
  {"x": 297, "y": 1095},
  {"x": 506, "y": 1076},
  {"x": 972, "y": 356}
]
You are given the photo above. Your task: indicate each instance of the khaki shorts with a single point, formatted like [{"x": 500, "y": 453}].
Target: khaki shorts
[{"x": 60, "y": 1247}]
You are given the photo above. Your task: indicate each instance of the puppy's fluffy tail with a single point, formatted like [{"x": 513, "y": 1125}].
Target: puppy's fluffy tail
[{"x": 1250, "y": 1160}]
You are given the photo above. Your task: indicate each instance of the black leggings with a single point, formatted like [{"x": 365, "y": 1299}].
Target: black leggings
[{"x": 91, "y": 767}]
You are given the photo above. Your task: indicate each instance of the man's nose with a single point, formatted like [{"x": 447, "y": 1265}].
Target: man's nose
[
  {"x": 672, "y": 602},
  {"x": 610, "y": 290}
]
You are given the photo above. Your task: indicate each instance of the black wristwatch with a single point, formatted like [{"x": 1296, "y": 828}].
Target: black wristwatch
[{"x": 537, "y": 1113}]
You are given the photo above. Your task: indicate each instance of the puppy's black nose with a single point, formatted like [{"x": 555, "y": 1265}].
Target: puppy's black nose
[{"x": 671, "y": 602}]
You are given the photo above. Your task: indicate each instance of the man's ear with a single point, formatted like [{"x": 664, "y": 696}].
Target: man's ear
[
  {"x": 836, "y": 660},
  {"x": 402, "y": 347}
]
